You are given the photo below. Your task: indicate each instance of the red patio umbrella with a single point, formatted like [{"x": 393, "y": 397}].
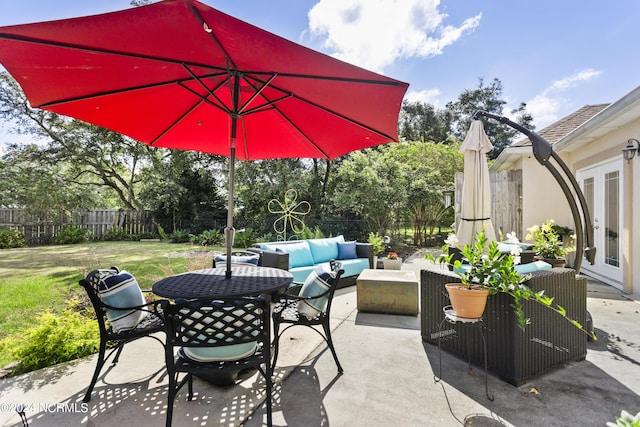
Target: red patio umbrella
[{"x": 179, "y": 74}]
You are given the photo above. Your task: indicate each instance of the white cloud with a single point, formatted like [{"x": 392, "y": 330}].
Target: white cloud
[
  {"x": 375, "y": 33},
  {"x": 547, "y": 106},
  {"x": 429, "y": 96}
]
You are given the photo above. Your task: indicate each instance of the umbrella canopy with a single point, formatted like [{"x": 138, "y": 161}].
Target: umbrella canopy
[
  {"x": 476, "y": 190},
  {"x": 179, "y": 74}
]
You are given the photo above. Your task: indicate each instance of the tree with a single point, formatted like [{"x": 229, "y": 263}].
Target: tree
[
  {"x": 431, "y": 170},
  {"x": 487, "y": 98},
  {"x": 94, "y": 156},
  {"x": 41, "y": 189},
  {"x": 372, "y": 184},
  {"x": 187, "y": 189},
  {"x": 422, "y": 122}
]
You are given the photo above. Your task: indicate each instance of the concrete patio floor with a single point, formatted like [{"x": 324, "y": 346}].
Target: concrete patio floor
[{"x": 388, "y": 381}]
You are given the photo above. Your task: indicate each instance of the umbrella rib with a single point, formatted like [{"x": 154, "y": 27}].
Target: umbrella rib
[
  {"x": 211, "y": 92},
  {"x": 209, "y": 31},
  {"x": 208, "y": 101},
  {"x": 257, "y": 93},
  {"x": 345, "y": 118},
  {"x": 185, "y": 114},
  {"x": 124, "y": 90},
  {"x": 107, "y": 51}
]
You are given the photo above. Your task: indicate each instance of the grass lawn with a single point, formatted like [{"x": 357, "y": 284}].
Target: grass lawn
[{"x": 33, "y": 280}]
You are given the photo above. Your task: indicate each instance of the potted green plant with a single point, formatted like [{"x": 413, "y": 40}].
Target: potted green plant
[
  {"x": 547, "y": 243},
  {"x": 377, "y": 241},
  {"x": 485, "y": 271}
]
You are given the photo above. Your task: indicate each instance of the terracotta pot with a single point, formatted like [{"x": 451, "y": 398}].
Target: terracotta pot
[{"x": 467, "y": 302}]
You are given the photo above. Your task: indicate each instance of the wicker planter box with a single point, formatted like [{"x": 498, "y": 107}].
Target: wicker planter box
[{"x": 513, "y": 355}]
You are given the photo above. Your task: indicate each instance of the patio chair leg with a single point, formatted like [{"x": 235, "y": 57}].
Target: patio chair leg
[
  {"x": 120, "y": 347},
  {"x": 96, "y": 373},
  {"x": 327, "y": 332},
  {"x": 276, "y": 342}
]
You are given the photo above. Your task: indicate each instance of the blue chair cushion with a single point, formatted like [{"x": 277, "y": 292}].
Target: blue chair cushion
[
  {"x": 347, "y": 250},
  {"x": 324, "y": 250},
  {"x": 318, "y": 282},
  {"x": 220, "y": 353},
  {"x": 533, "y": 266},
  {"x": 121, "y": 289}
]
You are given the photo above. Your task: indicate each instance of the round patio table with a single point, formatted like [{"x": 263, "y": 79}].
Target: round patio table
[{"x": 212, "y": 283}]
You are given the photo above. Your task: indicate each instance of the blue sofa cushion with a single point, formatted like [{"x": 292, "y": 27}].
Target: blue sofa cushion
[
  {"x": 520, "y": 268},
  {"x": 353, "y": 267},
  {"x": 300, "y": 274},
  {"x": 299, "y": 253},
  {"x": 347, "y": 250},
  {"x": 532, "y": 266},
  {"x": 326, "y": 249}
]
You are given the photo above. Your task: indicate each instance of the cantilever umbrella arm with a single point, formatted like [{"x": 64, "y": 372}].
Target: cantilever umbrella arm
[{"x": 543, "y": 151}]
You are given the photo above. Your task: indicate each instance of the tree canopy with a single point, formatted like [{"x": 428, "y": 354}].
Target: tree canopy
[{"x": 76, "y": 164}]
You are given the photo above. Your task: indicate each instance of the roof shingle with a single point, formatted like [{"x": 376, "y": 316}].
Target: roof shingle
[{"x": 558, "y": 130}]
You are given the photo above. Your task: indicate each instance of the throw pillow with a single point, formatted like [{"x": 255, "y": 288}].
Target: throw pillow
[
  {"x": 121, "y": 290},
  {"x": 247, "y": 259},
  {"x": 347, "y": 250},
  {"x": 318, "y": 282}
]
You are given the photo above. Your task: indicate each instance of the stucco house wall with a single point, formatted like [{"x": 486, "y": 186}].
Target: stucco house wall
[{"x": 590, "y": 139}]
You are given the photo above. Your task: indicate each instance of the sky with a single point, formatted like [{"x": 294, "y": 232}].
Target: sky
[{"x": 556, "y": 56}]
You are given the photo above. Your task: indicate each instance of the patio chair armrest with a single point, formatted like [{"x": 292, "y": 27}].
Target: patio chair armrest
[
  {"x": 152, "y": 307},
  {"x": 292, "y": 294},
  {"x": 365, "y": 250},
  {"x": 272, "y": 259}
]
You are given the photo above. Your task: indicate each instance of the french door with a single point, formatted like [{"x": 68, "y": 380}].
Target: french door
[{"x": 602, "y": 188}]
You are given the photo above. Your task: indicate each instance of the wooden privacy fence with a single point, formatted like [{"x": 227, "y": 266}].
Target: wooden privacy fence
[
  {"x": 42, "y": 230},
  {"x": 506, "y": 201}
]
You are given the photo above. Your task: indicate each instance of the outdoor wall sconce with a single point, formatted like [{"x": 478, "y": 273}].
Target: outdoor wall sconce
[{"x": 629, "y": 151}]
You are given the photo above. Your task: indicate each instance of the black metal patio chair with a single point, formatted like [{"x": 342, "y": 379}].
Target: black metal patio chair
[
  {"x": 308, "y": 304},
  {"x": 111, "y": 331},
  {"x": 226, "y": 335}
]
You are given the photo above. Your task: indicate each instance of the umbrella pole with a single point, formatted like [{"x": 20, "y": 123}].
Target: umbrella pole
[{"x": 229, "y": 230}]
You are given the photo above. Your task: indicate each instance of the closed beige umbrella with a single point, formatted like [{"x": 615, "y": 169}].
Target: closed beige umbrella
[{"x": 475, "y": 207}]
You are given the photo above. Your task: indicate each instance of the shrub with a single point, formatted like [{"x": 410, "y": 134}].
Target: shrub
[
  {"x": 244, "y": 238},
  {"x": 307, "y": 233},
  {"x": 115, "y": 234},
  {"x": 180, "y": 236},
  {"x": 71, "y": 234},
  {"x": 51, "y": 340},
  {"x": 146, "y": 235},
  {"x": 10, "y": 238},
  {"x": 208, "y": 238}
]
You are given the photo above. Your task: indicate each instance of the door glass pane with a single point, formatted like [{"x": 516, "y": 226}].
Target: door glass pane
[
  {"x": 611, "y": 216},
  {"x": 588, "y": 189}
]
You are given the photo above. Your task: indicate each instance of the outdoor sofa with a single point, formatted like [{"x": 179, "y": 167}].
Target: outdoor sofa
[
  {"x": 301, "y": 257},
  {"x": 512, "y": 354}
]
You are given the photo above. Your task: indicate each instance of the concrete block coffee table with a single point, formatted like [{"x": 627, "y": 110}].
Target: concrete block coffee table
[{"x": 388, "y": 291}]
